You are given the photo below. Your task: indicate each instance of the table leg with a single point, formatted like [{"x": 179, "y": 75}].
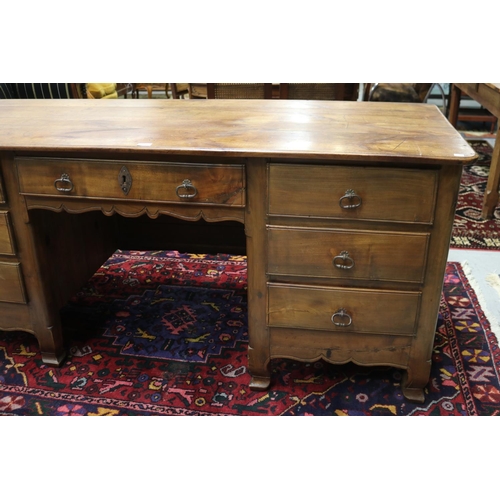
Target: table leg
[
  {"x": 491, "y": 194},
  {"x": 455, "y": 97}
]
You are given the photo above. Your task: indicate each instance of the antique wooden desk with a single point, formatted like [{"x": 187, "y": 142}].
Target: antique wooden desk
[
  {"x": 347, "y": 209},
  {"x": 488, "y": 95}
]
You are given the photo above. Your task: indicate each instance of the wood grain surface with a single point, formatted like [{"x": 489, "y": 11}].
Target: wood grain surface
[{"x": 269, "y": 128}]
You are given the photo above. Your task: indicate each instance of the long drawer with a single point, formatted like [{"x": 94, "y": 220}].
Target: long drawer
[
  {"x": 343, "y": 309},
  {"x": 127, "y": 180},
  {"x": 11, "y": 285},
  {"x": 332, "y": 253},
  {"x": 6, "y": 240},
  {"x": 365, "y": 193}
]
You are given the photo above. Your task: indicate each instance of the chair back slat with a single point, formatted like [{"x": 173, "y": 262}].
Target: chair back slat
[{"x": 239, "y": 91}]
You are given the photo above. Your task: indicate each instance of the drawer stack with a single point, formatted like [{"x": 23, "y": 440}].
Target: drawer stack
[
  {"x": 11, "y": 283},
  {"x": 347, "y": 257}
]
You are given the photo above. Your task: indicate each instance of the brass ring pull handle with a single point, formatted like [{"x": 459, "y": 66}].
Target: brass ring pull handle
[
  {"x": 186, "y": 186},
  {"x": 350, "y": 200},
  {"x": 343, "y": 261},
  {"x": 64, "y": 184},
  {"x": 341, "y": 318}
]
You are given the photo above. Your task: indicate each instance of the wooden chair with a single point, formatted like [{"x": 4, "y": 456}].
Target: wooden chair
[
  {"x": 123, "y": 89},
  {"x": 239, "y": 90},
  {"x": 149, "y": 88},
  {"x": 319, "y": 91},
  {"x": 197, "y": 90},
  {"x": 467, "y": 113},
  {"x": 179, "y": 90}
]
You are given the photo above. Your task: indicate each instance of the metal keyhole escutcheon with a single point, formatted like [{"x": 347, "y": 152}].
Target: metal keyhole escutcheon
[{"x": 125, "y": 179}]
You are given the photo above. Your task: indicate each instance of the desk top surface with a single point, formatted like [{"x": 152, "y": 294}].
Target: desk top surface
[{"x": 329, "y": 130}]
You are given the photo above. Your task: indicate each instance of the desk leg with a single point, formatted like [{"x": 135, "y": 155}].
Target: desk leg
[
  {"x": 491, "y": 194},
  {"x": 43, "y": 309},
  {"x": 50, "y": 340},
  {"x": 413, "y": 389},
  {"x": 256, "y": 237},
  {"x": 44, "y": 315}
]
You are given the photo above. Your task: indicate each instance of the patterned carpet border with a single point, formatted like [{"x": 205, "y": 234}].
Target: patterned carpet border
[{"x": 103, "y": 376}]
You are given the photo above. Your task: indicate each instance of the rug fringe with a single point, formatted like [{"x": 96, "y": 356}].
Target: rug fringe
[
  {"x": 493, "y": 321},
  {"x": 494, "y": 281}
]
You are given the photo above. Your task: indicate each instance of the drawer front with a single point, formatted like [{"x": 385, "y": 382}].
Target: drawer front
[
  {"x": 338, "y": 347},
  {"x": 343, "y": 310},
  {"x": 347, "y": 254},
  {"x": 365, "y": 193},
  {"x": 148, "y": 181},
  {"x": 6, "y": 241},
  {"x": 11, "y": 285}
]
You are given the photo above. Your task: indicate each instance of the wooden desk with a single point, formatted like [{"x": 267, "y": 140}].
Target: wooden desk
[
  {"x": 488, "y": 95},
  {"x": 347, "y": 209}
]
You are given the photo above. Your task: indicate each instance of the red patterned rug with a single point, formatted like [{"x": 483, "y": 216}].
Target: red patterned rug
[
  {"x": 163, "y": 333},
  {"x": 470, "y": 230}
]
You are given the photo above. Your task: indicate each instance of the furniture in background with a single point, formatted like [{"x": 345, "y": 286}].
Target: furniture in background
[
  {"x": 487, "y": 95},
  {"x": 102, "y": 91},
  {"x": 319, "y": 91},
  {"x": 239, "y": 90},
  {"x": 307, "y": 91},
  {"x": 149, "y": 88},
  {"x": 403, "y": 92},
  {"x": 179, "y": 90},
  {"x": 470, "y": 110},
  {"x": 197, "y": 90},
  {"x": 63, "y": 90},
  {"x": 43, "y": 90},
  {"x": 230, "y": 90},
  {"x": 315, "y": 91},
  {"x": 123, "y": 89},
  {"x": 6, "y": 91},
  {"x": 345, "y": 263}
]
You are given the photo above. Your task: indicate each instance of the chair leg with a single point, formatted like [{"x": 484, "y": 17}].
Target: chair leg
[{"x": 456, "y": 94}]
